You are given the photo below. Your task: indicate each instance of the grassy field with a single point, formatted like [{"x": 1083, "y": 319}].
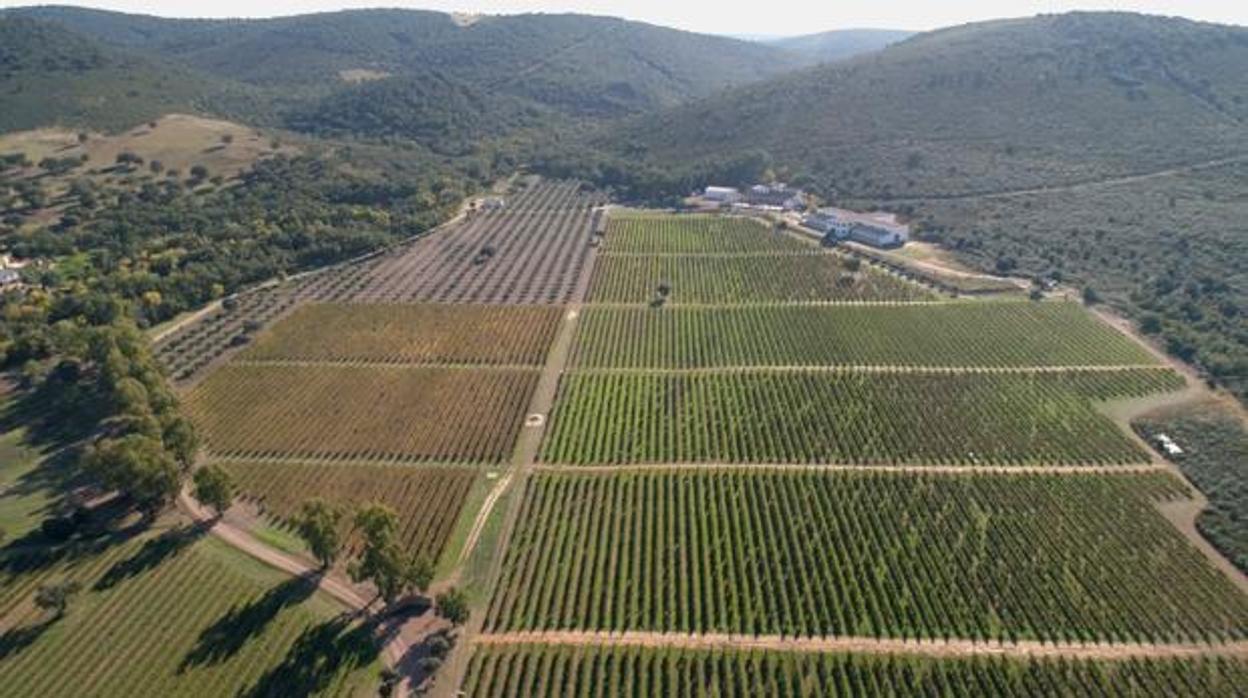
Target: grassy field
[
  {"x": 762, "y": 416},
  {"x": 401, "y": 333},
  {"x": 985, "y": 334},
  {"x": 661, "y": 233},
  {"x": 177, "y": 614},
  {"x": 1053, "y": 557},
  {"x": 538, "y": 671},
  {"x": 804, "y": 277},
  {"x": 427, "y": 500},
  {"x": 365, "y": 413}
]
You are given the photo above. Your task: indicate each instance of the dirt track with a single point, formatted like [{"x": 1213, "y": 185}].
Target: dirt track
[{"x": 867, "y": 645}]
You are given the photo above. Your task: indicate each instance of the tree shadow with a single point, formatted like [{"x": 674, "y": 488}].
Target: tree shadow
[
  {"x": 224, "y": 638},
  {"x": 15, "y": 640},
  {"x": 167, "y": 545},
  {"x": 317, "y": 657}
]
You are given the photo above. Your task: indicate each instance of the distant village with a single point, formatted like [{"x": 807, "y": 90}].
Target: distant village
[{"x": 877, "y": 229}]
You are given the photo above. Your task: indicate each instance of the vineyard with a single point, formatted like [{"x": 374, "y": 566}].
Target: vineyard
[
  {"x": 658, "y": 233},
  {"x": 548, "y": 671},
  {"x": 1009, "y": 334},
  {"x": 1003, "y": 557},
  {"x": 428, "y": 501},
  {"x": 766, "y": 278},
  {"x": 459, "y": 334},
  {"x": 199, "y": 620},
  {"x": 531, "y": 251},
  {"x": 846, "y": 417},
  {"x": 408, "y": 414}
]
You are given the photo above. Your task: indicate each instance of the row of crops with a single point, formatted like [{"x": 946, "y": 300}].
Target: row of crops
[
  {"x": 634, "y": 232},
  {"x": 540, "y": 671},
  {"x": 427, "y": 501},
  {"x": 402, "y": 333},
  {"x": 760, "y": 416},
  {"x": 865, "y": 554},
  {"x": 1009, "y": 334},
  {"x": 803, "y": 277},
  {"x": 395, "y": 413},
  {"x": 180, "y": 615}
]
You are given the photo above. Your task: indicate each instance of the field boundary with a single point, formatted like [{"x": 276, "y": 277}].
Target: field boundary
[
  {"x": 868, "y": 645},
  {"x": 1140, "y": 469}
]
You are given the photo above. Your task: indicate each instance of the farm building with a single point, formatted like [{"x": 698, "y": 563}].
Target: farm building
[
  {"x": 775, "y": 196},
  {"x": 875, "y": 229},
  {"x": 10, "y": 277},
  {"x": 728, "y": 195}
]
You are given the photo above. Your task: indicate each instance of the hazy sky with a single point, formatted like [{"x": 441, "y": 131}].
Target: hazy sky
[{"x": 777, "y": 17}]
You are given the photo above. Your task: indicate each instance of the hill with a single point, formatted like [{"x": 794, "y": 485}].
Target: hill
[
  {"x": 829, "y": 46},
  {"x": 576, "y": 63},
  {"x": 49, "y": 75},
  {"x": 1020, "y": 144}
]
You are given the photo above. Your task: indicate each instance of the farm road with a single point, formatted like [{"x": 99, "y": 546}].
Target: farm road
[
  {"x": 867, "y": 645},
  {"x": 524, "y": 458}
]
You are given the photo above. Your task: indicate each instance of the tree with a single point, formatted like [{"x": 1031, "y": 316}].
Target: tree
[
  {"x": 227, "y": 138},
  {"x": 318, "y": 524},
  {"x": 382, "y": 560},
  {"x": 199, "y": 173},
  {"x": 55, "y": 596},
  {"x": 181, "y": 440},
  {"x": 83, "y": 137},
  {"x": 156, "y": 166},
  {"x": 1090, "y": 296},
  {"x": 138, "y": 466},
  {"x": 214, "y": 487},
  {"x": 453, "y": 606}
]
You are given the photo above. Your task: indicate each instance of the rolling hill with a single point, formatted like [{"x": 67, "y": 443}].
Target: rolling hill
[
  {"x": 984, "y": 107},
  {"x": 829, "y": 46},
  {"x": 578, "y": 64},
  {"x": 49, "y": 75}
]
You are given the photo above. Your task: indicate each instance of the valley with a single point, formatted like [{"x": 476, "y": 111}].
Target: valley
[{"x": 402, "y": 364}]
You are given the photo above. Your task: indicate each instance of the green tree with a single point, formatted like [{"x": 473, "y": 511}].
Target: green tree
[
  {"x": 55, "y": 596},
  {"x": 138, "y": 466},
  {"x": 453, "y": 606},
  {"x": 318, "y": 523},
  {"x": 181, "y": 440},
  {"x": 383, "y": 561},
  {"x": 214, "y": 487}
]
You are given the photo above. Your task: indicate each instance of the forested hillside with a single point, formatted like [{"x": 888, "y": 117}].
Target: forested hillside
[
  {"x": 576, "y": 63},
  {"x": 51, "y": 75}
]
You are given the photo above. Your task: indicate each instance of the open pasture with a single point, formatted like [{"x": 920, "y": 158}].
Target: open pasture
[
  {"x": 414, "y": 334},
  {"x": 175, "y": 614},
  {"x": 846, "y": 416},
  {"x": 544, "y": 671},
  {"x": 408, "y": 414},
  {"x": 802, "y": 277},
  {"x": 635, "y": 232},
  {"x": 1010, "y": 334},
  {"x": 842, "y": 553},
  {"x": 428, "y": 501}
]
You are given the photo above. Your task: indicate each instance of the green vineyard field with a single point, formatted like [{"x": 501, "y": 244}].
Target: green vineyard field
[
  {"x": 183, "y": 616},
  {"x": 767, "y": 278},
  {"x": 1009, "y": 334},
  {"x": 841, "y": 553},
  {"x": 427, "y": 500},
  {"x": 661, "y": 233},
  {"x": 846, "y": 417},
  {"x": 410, "y": 414},
  {"x": 403, "y": 333},
  {"x": 548, "y": 671}
]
